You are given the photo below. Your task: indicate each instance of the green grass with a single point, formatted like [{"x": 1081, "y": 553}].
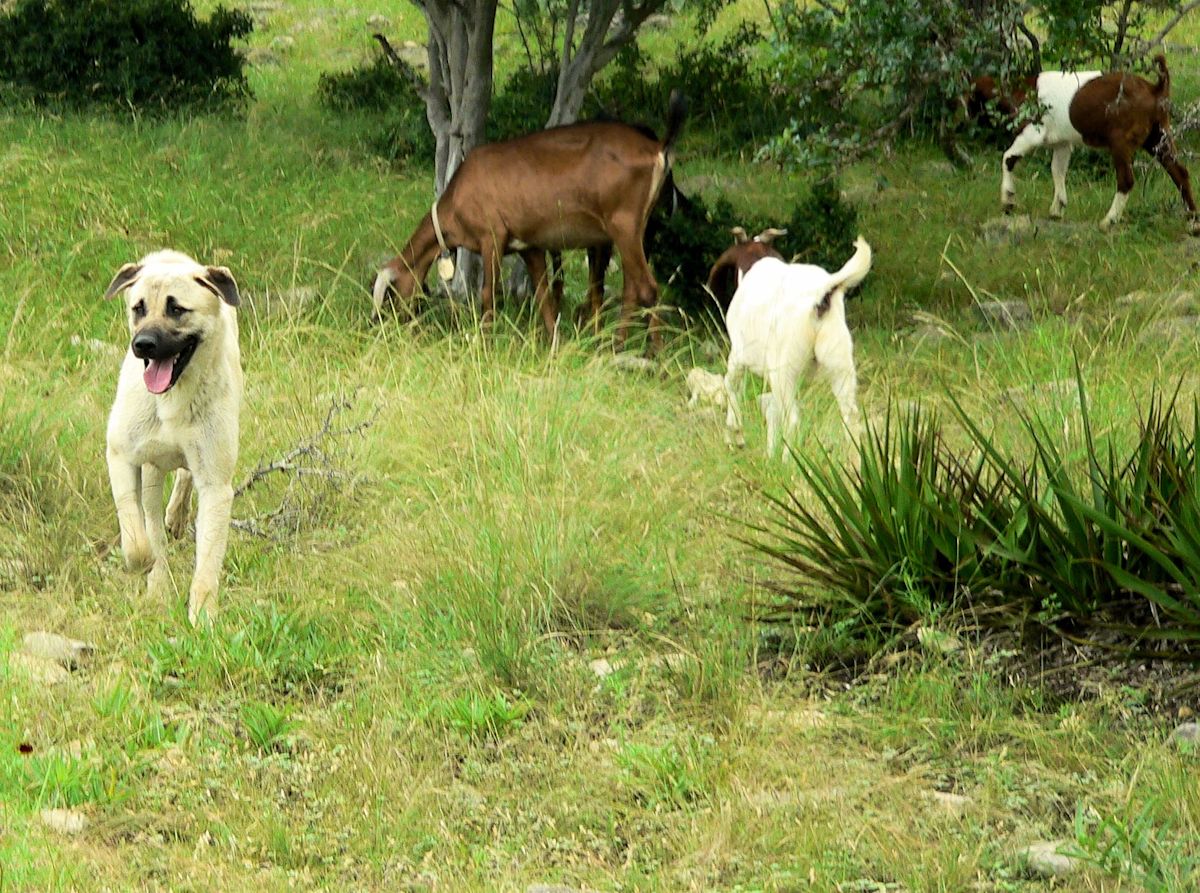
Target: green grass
[{"x": 398, "y": 693}]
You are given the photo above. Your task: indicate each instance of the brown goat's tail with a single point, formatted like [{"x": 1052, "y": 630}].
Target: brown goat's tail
[
  {"x": 1163, "y": 87},
  {"x": 677, "y": 109},
  {"x": 851, "y": 274}
]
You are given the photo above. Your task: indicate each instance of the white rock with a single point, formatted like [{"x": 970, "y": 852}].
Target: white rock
[
  {"x": 1044, "y": 858},
  {"x": 1004, "y": 314},
  {"x": 69, "y": 653},
  {"x": 630, "y": 363},
  {"x": 37, "y": 669},
  {"x": 1187, "y": 734},
  {"x": 601, "y": 667},
  {"x": 954, "y": 804},
  {"x": 64, "y": 821}
]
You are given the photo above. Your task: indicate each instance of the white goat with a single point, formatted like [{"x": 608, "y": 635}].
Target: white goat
[{"x": 783, "y": 319}]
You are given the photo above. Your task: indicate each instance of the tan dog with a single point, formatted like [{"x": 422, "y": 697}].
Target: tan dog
[{"x": 177, "y": 406}]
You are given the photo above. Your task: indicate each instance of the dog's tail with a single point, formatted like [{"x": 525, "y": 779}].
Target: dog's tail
[
  {"x": 851, "y": 274},
  {"x": 1163, "y": 88}
]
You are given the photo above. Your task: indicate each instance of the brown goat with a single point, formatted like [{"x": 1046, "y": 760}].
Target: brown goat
[
  {"x": 727, "y": 272},
  {"x": 578, "y": 186},
  {"x": 1117, "y": 111}
]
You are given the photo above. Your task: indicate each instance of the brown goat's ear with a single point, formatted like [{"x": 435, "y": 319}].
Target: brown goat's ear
[
  {"x": 220, "y": 282},
  {"x": 769, "y": 235},
  {"x": 122, "y": 280},
  {"x": 739, "y": 235}
]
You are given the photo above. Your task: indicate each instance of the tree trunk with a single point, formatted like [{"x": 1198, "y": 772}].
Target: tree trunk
[
  {"x": 458, "y": 98},
  {"x": 600, "y": 42}
]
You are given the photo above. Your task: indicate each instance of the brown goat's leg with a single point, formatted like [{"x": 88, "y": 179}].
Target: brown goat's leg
[
  {"x": 491, "y": 272},
  {"x": 599, "y": 257},
  {"x": 1123, "y": 162},
  {"x": 1162, "y": 147},
  {"x": 557, "y": 279},
  {"x": 535, "y": 260},
  {"x": 640, "y": 290}
]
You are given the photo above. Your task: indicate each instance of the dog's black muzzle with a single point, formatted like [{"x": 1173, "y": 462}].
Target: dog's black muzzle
[{"x": 160, "y": 344}]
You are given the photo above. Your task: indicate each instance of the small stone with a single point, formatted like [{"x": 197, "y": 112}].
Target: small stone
[
  {"x": 39, "y": 670},
  {"x": 263, "y": 57},
  {"x": 1187, "y": 735},
  {"x": 64, "y": 821},
  {"x": 953, "y": 804},
  {"x": 937, "y": 642},
  {"x": 68, "y": 653},
  {"x": 1185, "y": 712},
  {"x": 377, "y": 22},
  {"x": 1008, "y": 230},
  {"x": 414, "y": 54},
  {"x": 629, "y": 363},
  {"x": 283, "y": 43},
  {"x": 1004, "y": 314},
  {"x": 1044, "y": 859},
  {"x": 601, "y": 667},
  {"x": 551, "y": 888}
]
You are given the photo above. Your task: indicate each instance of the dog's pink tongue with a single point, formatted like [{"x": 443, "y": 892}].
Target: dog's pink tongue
[{"x": 158, "y": 375}]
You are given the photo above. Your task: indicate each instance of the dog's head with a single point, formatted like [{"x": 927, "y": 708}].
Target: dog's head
[{"x": 174, "y": 305}]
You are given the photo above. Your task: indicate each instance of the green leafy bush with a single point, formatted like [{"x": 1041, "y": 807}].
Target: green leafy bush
[
  {"x": 523, "y": 104},
  {"x": 398, "y": 128},
  {"x": 139, "y": 53},
  {"x": 1104, "y": 549},
  {"x": 732, "y": 98}
]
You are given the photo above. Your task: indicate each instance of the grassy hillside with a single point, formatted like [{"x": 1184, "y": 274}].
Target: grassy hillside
[{"x": 510, "y": 639}]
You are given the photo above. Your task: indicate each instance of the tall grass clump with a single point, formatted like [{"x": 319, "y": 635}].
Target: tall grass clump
[{"x": 1100, "y": 546}]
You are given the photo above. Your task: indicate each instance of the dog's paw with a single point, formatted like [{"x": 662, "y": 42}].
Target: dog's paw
[
  {"x": 177, "y": 523},
  {"x": 202, "y": 607},
  {"x": 158, "y": 583}
]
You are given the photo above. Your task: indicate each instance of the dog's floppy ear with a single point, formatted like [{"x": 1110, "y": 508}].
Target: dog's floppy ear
[
  {"x": 220, "y": 282},
  {"x": 123, "y": 280}
]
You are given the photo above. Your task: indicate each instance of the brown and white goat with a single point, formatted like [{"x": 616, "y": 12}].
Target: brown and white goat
[
  {"x": 578, "y": 186},
  {"x": 1117, "y": 111},
  {"x": 726, "y": 274}
]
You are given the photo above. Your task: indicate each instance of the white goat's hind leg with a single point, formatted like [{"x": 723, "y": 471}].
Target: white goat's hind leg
[
  {"x": 773, "y": 413},
  {"x": 1027, "y": 140},
  {"x": 835, "y": 355},
  {"x": 784, "y": 407},
  {"x": 1058, "y": 169},
  {"x": 733, "y": 414}
]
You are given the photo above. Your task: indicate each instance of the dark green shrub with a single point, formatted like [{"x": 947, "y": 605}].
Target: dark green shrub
[
  {"x": 523, "y": 104},
  {"x": 731, "y": 99},
  {"x": 399, "y": 128},
  {"x": 683, "y": 242},
  {"x": 137, "y": 53}
]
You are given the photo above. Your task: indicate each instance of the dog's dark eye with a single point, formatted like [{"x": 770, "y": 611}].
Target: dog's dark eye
[
  {"x": 139, "y": 309},
  {"x": 174, "y": 310}
]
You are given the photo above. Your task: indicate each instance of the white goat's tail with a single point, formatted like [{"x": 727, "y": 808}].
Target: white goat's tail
[{"x": 851, "y": 274}]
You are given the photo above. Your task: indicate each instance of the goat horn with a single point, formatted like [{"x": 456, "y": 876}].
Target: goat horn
[
  {"x": 739, "y": 235},
  {"x": 769, "y": 235}
]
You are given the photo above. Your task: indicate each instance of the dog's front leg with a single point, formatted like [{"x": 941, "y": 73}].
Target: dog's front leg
[
  {"x": 212, "y": 535},
  {"x": 126, "y": 481},
  {"x": 152, "y": 510},
  {"x": 180, "y": 503}
]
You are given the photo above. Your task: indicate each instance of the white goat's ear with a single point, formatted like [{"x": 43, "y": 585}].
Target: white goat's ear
[
  {"x": 739, "y": 235},
  {"x": 221, "y": 283},
  {"x": 769, "y": 235},
  {"x": 124, "y": 278}
]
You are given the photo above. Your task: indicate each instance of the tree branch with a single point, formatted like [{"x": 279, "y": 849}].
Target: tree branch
[
  {"x": 1146, "y": 46},
  {"x": 403, "y": 67}
]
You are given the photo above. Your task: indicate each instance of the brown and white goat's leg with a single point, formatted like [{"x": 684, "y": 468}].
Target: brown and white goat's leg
[
  {"x": 1027, "y": 140},
  {"x": 1162, "y": 147},
  {"x": 1058, "y": 170},
  {"x": 535, "y": 261},
  {"x": 1123, "y": 162}
]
